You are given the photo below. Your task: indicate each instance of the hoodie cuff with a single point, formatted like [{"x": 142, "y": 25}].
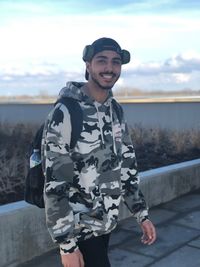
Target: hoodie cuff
[
  {"x": 141, "y": 216},
  {"x": 68, "y": 247}
]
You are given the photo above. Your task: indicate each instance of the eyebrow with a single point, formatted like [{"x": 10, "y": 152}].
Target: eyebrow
[{"x": 114, "y": 58}]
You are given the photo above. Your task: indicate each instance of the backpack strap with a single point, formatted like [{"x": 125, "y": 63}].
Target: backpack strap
[
  {"x": 118, "y": 109},
  {"x": 36, "y": 144},
  {"x": 76, "y": 117}
]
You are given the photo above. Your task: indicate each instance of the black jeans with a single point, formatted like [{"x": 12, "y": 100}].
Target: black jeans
[{"x": 95, "y": 251}]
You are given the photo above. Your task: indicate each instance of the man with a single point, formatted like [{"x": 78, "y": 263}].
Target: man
[{"x": 85, "y": 185}]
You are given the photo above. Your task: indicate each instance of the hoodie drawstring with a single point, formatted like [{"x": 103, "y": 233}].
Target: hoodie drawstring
[
  {"x": 101, "y": 127},
  {"x": 113, "y": 132}
]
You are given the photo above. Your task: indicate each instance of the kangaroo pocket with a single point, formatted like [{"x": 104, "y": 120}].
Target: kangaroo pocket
[
  {"x": 98, "y": 224},
  {"x": 104, "y": 215}
]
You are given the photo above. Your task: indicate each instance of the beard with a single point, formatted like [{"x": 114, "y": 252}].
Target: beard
[{"x": 104, "y": 87}]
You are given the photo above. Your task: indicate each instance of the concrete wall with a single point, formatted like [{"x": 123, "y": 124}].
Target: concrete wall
[
  {"x": 23, "y": 233},
  {"x": 170, "y": 115},
  {"x": 164, "y": 184}
]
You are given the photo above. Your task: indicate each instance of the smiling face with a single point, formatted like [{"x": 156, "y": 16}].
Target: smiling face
[{"x": 104, "y": 69}]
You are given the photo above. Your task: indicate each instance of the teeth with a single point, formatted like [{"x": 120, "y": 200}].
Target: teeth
[{"x": 107, "y": 76}]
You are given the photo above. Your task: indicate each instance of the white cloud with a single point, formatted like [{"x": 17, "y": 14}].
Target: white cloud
[
  {"x": 181, "y": 77},
  {"x": 44, "y": 50},
  {"x": 183, "y": 63},
  {"x": 175, "y": 73},
  {"x": 51, "y": 36}
]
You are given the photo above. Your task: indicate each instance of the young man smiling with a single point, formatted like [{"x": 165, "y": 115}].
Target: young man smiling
[{"x": 85, "y": 185}]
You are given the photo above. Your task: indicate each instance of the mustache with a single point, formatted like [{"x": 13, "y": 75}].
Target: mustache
[{"x": 108, "y": 73}]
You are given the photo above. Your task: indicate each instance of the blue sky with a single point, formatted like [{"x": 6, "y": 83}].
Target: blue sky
[{"x": 42, "y": 42}]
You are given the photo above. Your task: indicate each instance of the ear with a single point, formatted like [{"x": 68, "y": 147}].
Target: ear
[
  {"x": 87, "y": 66},
  {"x": 87, "y": 71}
]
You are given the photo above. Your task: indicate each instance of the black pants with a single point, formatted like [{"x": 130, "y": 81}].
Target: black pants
[{"x": 95, "y": 251}]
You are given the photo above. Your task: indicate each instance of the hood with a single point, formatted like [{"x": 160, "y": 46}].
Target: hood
[{"x": 75, "y": 90}]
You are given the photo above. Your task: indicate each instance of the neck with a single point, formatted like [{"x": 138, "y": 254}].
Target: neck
[{"x": 95, "y": 92}]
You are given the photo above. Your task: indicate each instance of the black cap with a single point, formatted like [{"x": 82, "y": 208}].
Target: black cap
[{"x": 104, "y": 44}]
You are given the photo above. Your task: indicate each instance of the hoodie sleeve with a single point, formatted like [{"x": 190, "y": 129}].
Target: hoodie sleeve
[
  {"x": 58, "y": 171},
  {"x": 132, "y": 195}
]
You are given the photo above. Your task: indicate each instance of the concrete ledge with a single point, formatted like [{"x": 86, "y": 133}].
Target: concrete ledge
[
  {"x": 23, "y": 234},
  {"x": 22, "y": 226},
  {"x": 166, "y": 183}
]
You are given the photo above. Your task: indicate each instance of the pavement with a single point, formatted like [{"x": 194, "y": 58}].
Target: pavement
[{"x": 178, "y": 239}]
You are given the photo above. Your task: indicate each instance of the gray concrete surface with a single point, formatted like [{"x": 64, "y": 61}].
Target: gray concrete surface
[
  {"x": 173, "y": 115},
  {"x": 23, "y": 231},
  {"x": 178, "y": 239}
]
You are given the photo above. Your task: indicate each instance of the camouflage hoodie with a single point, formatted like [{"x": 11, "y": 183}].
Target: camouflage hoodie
[{"x": 85, "y": 185}]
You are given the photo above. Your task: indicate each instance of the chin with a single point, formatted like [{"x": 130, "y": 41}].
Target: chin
[{"x": 106, "y": 87}]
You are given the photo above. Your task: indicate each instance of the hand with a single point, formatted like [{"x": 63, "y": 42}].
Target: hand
[
  {"x": 74, "y": 259},
  {"x": 149, "y": 232}
]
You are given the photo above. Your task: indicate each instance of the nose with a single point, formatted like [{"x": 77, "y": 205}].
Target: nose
[{"x": 109, "y": 66}]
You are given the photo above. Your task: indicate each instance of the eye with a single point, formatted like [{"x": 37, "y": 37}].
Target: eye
[
  {"x": 117, "y": 62},
  {"x": 101, "y": 61}
]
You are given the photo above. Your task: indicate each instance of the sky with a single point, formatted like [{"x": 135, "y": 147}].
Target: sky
[{"x": 42, "y": 42}]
